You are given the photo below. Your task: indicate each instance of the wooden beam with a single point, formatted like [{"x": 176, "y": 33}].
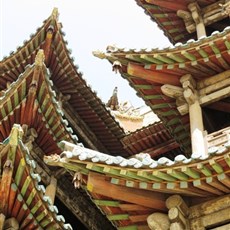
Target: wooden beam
[
  {"x": 70, "y": 197},
  {"x": 138, "y": 218},
  {"x": 163, "y": 148},
  {"x": 98, "y": 184},
  {"x": 220, "y": 106},
  {"x": 133, "y": 207},
  {"x": 207, "y": 99},
  {"x": 171, "y": 5},
  {"x": 151, "y": 75}
]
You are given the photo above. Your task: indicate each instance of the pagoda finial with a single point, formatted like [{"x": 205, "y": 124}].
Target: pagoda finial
[
  {"x": 113, "y": 101},
  {"x": 40, "y": 58},
  {"x": 55, "y": 13}
]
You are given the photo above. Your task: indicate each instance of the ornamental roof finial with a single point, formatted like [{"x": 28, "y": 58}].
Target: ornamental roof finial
[{"x": 40, "y": 58}]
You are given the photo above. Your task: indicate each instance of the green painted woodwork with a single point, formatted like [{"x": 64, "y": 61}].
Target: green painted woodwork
[
  {"x": 135, "y": 58},
  {"x": 202, "y": 53},
  {"x": 171, "y": 66},
  {"x": 182, "y": 135},
  {"x": 114, "y": 181},
  {"x": 94, "y": 167},
  {"x": 205, "y": 170},
  {"x": 217, "y": 167},
  {"x": 160, "y": 15},
  {"x": 45, "y": 222},
  {"x": 214, "y": 48},
  {"x": 131, "y": 227},
  {"x": 133, "y": 175},
  {"x": 143, "y": 86},
  {"x": 143, "y": 185},
  {"x": 190, "y": 172},
  {"x": 41, "y": 91},
  {"x": 223, "y": 177},
  {"x": 164, "y": 59},
  {"x": 118, "y": 217},
  {"x": 20, "y": 170},
  {"x": 109, "y": 203},
  {"x": 160, "y": 106},
  {"x": 178, "y": 129},
  {"x": 148, "y": 176},
  {"x": 76, "y": 168},
  {"x": 40, "y": 217},
  {"x": 227, "y": 44},
  {"x": 174, "y": 30},
  {"x": 16, "y": 98},
  {"x": 23, "y": 89},
  {"x": 159, "y": 67},
  {"x": 48, "y": 111},
  {"x": 150, "y": 97},
  {"x": 3, "y": 112},
  {"x": 227, "y": 159},
  {"x": 129, "y": 184},
  {"x": 188, "y": 55},
  {"x": 151, "y": 59},
  {"x": 31, "y": 46},
  {"x": 36, "y": 207},
  {"x": 44, "y": 103},
  {"x": 31, "y": 197},
  {"x": 60, "y": 132},
  {"x": 177, "y": 174},
  {"x": 156, "y": 185},
  {"x": 163, "y": 176},
  {"x": 173, "y": 121},
  {"x": 169, "y": 113},
  {"x": 178, "y": 37},
  {"x": 176, "y": 57},
  {"x": 151, "y": 7},
  {"x": 25, "y": 185}
]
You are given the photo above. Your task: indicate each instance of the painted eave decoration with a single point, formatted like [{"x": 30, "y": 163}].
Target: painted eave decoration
[
  {"x": 119, "y": 186},
  {"x": 169, "y": 16},
  {"x": 148, "y": 70},
  {"x": 31, "y": 101},
  {"x": 23, "y": 199},
  {"x": 76, "y": 94}
]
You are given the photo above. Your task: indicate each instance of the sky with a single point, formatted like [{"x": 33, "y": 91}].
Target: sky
[{"x": 89, "y": 26}]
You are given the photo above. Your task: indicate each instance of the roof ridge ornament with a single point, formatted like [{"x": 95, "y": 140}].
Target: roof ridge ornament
[
  {"x": 40, "y": 58},
  {"x": 55, "y": 13}
]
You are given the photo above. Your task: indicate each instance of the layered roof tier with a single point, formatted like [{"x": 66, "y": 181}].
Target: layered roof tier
[
  {"x": 148, "y": 70},
  {"x": 77, "y": 97},
  {"x": 176, "y": 20},
  {"x": 128, "y": 190},
  {"x": 24, "y": 203}
]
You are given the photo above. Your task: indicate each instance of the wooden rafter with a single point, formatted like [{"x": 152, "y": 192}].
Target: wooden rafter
[
  {"x": 152, "y": 76},
  {"x": 98, "y": 184}
]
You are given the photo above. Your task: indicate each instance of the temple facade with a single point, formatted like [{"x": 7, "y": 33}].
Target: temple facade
[{"x": 56, "y": 133}]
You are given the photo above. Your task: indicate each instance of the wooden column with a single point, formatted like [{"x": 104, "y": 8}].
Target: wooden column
[
  {"x": 199, "y": 146},
  {"x": 198, "y": 19},
  {"x": 51, "y": 189}
]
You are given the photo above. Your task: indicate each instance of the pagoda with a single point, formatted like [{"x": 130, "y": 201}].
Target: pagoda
[
  {"x": 44, "y": 100},
  {"x": 186, "y": 184}
]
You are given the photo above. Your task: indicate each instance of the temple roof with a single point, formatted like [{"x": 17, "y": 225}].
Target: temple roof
[
  {"x": 21, "y": 195},
  {"x": 78, "y": 97},
  {"x": 143, "y": 182},
  {"x": 31, "y": 101},
  {"x": 148, "y": 70},
  {"x": 164, "y": 13},
  {"x": 153, "y": 139}
]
